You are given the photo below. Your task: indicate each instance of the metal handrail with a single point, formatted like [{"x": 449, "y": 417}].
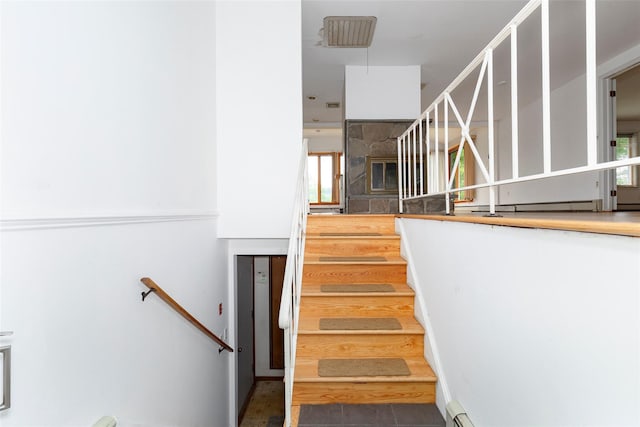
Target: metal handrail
[
  {"x": 411, "y": 161},
  {"x": 153, "y": 287},
  {"x": 292, "y": 283}
]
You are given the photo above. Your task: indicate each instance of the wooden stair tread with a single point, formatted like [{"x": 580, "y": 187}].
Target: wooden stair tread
[
  {"x": 314, "y": 289},
  {"x": 384, "y": 224},
  {"x": 310, "y": 325},
  {"x": 355, "y": 236},
  {"x": 307, "y": 371},
  {"x": 389, "y": 260}
]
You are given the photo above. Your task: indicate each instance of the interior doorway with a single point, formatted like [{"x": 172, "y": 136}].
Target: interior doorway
[
  {"x": 260, "y": 341},
  {"x": 626, "y": 180}
]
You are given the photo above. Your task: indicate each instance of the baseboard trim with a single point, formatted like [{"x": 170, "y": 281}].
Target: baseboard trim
[
  {"x": 96, "y": 221},
  {"x": 422, "y": 315},
  {"x": 570, "y": 206}
]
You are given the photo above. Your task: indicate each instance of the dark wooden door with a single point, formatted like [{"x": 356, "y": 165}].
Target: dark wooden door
[{"x": 277, "y": 266}]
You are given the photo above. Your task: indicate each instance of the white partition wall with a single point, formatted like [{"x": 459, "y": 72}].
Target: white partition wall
[
  {"x": 259, "y": 122},
  {"x": 531, "y": 330},
  {"x": 382, "y": 92}
]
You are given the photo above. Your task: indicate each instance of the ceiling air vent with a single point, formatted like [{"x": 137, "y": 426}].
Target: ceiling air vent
[
  {"x": 348, "y": 31},
  {"x": 333, "y": 105}
]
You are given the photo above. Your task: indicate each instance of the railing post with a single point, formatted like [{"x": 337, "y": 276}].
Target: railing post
[
  {"x": 421, "y": 159},
  {"x": 514, "y": 102},
  {"x": 400, "y": 174},
  {"x": 492, "y": 172},
  {"x": 592, "y": 113},
  {"x": 436, "y": 167},
  {"x": 546, "y": 89},
  {"x": 447, "y": 196},
  {"x": 407, "y": 141},
  {"x": 429, "y": 167},
  {"x": 415, "y": 165}
]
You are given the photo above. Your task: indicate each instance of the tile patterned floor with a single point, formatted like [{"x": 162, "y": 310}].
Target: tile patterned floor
[
  {"x": 266, "y": 406},
  {"x": 266, "y": 409},
  {"x": 384, "y": 415}
]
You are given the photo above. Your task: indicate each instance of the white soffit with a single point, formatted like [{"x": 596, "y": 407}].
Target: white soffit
[{"x": 348, "y": 31}]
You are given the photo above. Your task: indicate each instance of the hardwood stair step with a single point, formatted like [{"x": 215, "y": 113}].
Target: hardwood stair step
[
  {"x": 311, "y": 325},
  {"x": 355, "y": 260},
  {"x": 323, "y": 272},
  {"x": 360, "y": 345},
  {"x": 309, "y": 387},
  {"x": 307, "y": 371},
  {"x": 318, "y": 393},
  {"x": 383, "y": 245},
  {"x": 384, "y": 224},
  {"x": 314, "y": 342},
  {"x": 315, "y": 289},
  {"x": 357, "y": 306}
]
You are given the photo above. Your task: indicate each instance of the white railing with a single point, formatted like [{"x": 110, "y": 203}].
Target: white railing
[
  {"x": 416, "y": 140},
  {"x": 292, "y": 284}
]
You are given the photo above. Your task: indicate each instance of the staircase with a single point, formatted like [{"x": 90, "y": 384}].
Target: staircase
[{"x": 355, "y": 304}]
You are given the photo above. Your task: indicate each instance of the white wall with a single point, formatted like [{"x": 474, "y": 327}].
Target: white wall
[
  {"x": 533, "y": 327},
  {"x": 326, "y": 144},
  {"x": 259, "y": 104},
  {"x": 85, "y": 345},
  {"x": 382, "y": 93},
  {"x": 568, "y": 141},
  {"x": 108, "y": 116},
  {"x": 95, "y": 98}
]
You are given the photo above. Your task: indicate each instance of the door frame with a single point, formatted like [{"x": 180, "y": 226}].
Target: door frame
[
  {"x": 250, "y": 285},
  {"x": 235, "y": 247},
  {"x": 607, "y": 119}
]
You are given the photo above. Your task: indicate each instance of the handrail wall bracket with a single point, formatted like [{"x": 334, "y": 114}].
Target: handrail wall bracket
[{"x": 146, "y": 294}]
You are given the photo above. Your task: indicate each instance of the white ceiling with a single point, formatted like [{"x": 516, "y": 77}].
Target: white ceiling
[{"x": 443, "y": 36}]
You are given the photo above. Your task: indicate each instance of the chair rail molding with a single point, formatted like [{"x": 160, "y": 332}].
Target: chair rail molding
[{"x": 53, "y": 222}]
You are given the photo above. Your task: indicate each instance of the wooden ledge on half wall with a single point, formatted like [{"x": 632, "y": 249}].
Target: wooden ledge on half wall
[{"x": 617, "y": 223}]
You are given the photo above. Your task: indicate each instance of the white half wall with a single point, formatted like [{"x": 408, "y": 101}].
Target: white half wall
[
  {"x": 533, "y": 327},
  {"x": 259, "y": 104},
  {"x": 382, "y": 92},
  {"x": 84, "y": 343}
]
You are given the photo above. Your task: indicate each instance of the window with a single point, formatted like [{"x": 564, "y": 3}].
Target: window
[
  {"x": 324, "y": 178},
  {"x": 382, "y": 175},
  {"x": 465, "y": 173},
  {"x": 624, "y": 175}
]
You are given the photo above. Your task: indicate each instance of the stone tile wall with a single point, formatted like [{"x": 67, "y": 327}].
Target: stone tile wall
[{"x": 377, "y": 139}]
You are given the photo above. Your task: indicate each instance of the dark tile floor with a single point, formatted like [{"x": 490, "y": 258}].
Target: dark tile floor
[{"x": 385, "y": 415}]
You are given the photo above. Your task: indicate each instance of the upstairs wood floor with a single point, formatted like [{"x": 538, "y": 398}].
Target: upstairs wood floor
[{"x": 616, "y": 223}]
